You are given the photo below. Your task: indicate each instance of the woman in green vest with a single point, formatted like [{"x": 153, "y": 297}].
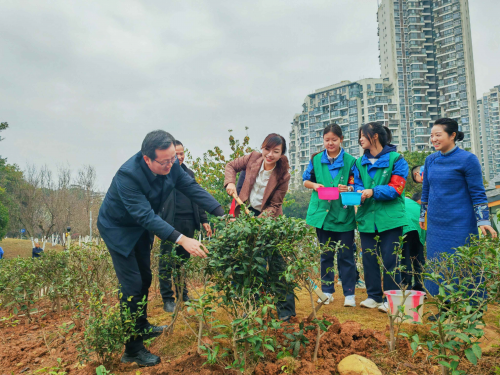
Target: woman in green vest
[
  {"x": 380, "y": 175},
  {"x": 334, "y": 223}
]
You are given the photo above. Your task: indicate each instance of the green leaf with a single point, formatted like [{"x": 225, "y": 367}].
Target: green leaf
[
  {"x": 269, "y": 347},
  {"x": 477, "y": 350},
  {"x": 414, "y": 347},
  {"x": 463, "y": 337},
  {"x": 296, "y": 349},
  {"x": 445, "y": 364},
  {"x": 471, "y": 356}
]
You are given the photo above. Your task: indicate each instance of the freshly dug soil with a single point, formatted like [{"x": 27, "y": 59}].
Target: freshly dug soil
[{"x": 340, "y": 341}]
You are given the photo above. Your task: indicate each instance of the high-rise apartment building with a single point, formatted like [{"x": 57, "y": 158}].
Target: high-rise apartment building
[
  {"x": 426, "y": 52},
  {"x": 348, "y": 104},
  {"x": 489, "y": 132}
]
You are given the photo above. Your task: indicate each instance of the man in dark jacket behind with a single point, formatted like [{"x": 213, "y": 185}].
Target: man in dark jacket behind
[
  {"x": 128, "y": 220},
  {"x": 186, "y": 216}
]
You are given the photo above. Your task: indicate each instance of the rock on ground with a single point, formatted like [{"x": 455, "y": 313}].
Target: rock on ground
[{"x": 357, "y": 365}]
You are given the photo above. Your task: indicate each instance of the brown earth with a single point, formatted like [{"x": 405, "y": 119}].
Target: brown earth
[{"x": 25, "y": 349}]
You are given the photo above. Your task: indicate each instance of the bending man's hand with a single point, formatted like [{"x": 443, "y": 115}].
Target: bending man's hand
[
  {"x": 193, "y": 247},
  {"x": 422, "y": 225},
  {"x": 208, "y": 229}
]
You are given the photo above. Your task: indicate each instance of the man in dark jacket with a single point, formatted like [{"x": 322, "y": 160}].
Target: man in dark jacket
[
  {"x": 37, "y": 251},
  {"x": 128, "y": 220},
  {"x": 185, "y": 215}
]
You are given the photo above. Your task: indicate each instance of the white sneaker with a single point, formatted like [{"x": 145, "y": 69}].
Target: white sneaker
[
  {"x": 370, "y": 304},
  {"x": 350, "y": 301},
  {"x": 330, "y": 299},
  {"x": 384, "y": 307},
  {"x": 360, "y": 284}
]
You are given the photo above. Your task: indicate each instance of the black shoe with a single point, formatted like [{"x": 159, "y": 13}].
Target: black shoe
[
  {"x": 434, "y": 318},
  {"x": 285, "y": 319},
  {"x": 169, "y": 306},
  {"x": 153, "y": 331},
  {"x": 143, "y": 358}
]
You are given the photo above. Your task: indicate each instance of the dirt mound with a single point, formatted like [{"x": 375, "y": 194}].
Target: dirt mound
[{"x": 340, "y": 341}]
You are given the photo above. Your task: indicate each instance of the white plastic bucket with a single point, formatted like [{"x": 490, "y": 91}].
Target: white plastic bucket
[{"x": 414, "y": 299}]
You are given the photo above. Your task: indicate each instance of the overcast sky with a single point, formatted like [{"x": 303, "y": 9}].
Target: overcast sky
[{"x": 82, "y": 82}]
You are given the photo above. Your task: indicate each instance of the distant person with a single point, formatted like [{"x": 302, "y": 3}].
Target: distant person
[
  {"x": 264, "y": 188},
  {"x": 453, "y": 195},
  {"x": 37, "y": 250},
  {"x": 334, "y": 222},
  {"x": 128, "y": 221},
  {"x": 186, "y": 217},
  {"x": 413, "y": 247},
  {"x": 1, "y": 253},
  {"x": 380, "y": 175}
]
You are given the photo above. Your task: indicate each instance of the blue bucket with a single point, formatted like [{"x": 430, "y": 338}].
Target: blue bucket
[{"x": 351, "y": 199}]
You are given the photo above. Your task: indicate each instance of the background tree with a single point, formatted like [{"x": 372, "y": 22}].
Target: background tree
[
  {"x": 3, "y": 126},
  {"x": 209, "y": 170},
  {"x": 414, "y": 158},
  {"x": 297, "y": 203},
  {"x": 4, "y": 217}
]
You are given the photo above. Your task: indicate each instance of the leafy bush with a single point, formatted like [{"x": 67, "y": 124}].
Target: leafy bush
[
  {"x": 468, "y": 281},
  {"x": 253, "y": 262},
  {"x": 107, "y": 328}
]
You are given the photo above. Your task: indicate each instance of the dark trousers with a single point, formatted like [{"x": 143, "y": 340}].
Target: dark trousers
[
  {"x": 186, "y": 226},
  {"x": 355, "y": 257},
  {"x": 413, "y": 253},
  {"x": 134, "y": 275},
  {"x": 345, "y": 261},
  {"x": 388, "y": 242},
  {"x": 286, "y": 298}
]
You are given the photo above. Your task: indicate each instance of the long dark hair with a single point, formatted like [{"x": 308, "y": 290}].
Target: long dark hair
[
  {"x": 273, "y": 140},
  {"x": 369, "y": 130},
  {"x": 330, "y": 128},
  {"x": 450, "y": 126}
]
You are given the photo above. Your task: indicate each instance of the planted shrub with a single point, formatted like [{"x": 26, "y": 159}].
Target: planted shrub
[
  {"x": 106, "y": 329},
  {"x": 468, "y": 281}
]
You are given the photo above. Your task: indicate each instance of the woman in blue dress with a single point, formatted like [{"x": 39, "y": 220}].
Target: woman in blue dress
[{"x": 453, "y": 194}]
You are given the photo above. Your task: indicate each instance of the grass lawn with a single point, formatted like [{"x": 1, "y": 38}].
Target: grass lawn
[{"x": 14, "y": 247}]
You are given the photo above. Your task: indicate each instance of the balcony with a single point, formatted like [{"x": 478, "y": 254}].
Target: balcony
[
  {"x": 334, "y": 98},
  {"x": 315, "y": 112},
  {"x": 325, "y": 116}
]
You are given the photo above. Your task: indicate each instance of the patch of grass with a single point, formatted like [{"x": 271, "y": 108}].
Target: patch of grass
[{"x": 14, "y": 247}]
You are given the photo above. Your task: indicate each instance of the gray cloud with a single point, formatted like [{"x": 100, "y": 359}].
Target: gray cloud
[{"x": 83, "y": 82}]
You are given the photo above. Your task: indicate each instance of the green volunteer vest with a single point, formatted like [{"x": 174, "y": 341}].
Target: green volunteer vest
[
  {"x": 384, "y": 215},
  {"x": 331, "y": 215},
  {"x": 413, "y": 216}
]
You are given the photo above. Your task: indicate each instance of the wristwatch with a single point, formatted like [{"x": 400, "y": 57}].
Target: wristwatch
[{"x": 350, "y": 189}]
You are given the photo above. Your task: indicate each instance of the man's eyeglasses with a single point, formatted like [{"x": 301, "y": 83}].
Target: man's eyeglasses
[{"x": 168, "y": 162}]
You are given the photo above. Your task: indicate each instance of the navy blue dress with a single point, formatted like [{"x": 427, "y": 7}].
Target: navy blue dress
[{"x": 453, "y": 195}]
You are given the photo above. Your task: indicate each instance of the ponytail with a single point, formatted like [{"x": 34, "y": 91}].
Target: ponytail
[{"x": 369, "y": 130}]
